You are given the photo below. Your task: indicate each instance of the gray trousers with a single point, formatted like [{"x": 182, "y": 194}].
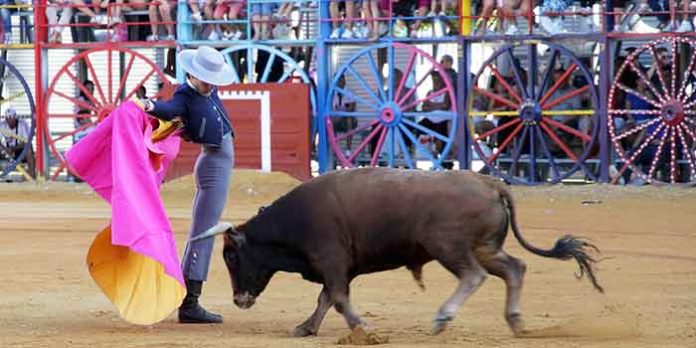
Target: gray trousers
[{"x": 213, "y": 172}]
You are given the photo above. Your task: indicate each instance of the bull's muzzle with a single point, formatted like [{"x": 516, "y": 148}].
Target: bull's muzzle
[{"x": 244, "y": 300}]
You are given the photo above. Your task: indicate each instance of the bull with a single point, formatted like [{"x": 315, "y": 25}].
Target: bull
[{"x": 338, "y": 226}]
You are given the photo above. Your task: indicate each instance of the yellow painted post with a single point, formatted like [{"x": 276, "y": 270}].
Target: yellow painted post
[{"x": 465, "y": 17}]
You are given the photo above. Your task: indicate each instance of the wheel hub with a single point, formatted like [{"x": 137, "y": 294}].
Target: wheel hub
[
  {"x": 530, "y": 112},
  {"x": 104, "y": 111},
  {"x": 673, "y": 112},
  {"x": 390, "y": 114}
]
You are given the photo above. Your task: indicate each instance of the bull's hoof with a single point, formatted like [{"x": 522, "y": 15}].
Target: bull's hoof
[
  {"x": 440, "y": 325},
  {"x": 516, "y": 324},
  {"x": 304, "y": 331}
]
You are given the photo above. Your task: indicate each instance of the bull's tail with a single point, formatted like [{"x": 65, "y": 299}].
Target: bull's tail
[{"x": 566, "y": 247}]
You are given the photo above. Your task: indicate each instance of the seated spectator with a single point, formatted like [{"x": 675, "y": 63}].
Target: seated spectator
[
  {"x": 84, "y": 123},
  {"x": 447, "y": 63},
  {"x": 91, "y": 9},
  {"x": 344, "y": 103},
  {"x": 230, "y": 10},
  {"x": 195, "y": 6},
  {"x": 165, "y": 11},
  {"x": 342, "y": 27},
  {"x": 56, "y": 25},
  {"x": 14, "y": 135},
  {"x": 141, "y": 93},
  {"x": 437, "y": 124}
]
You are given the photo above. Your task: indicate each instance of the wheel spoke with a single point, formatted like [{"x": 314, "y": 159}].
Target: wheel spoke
[
  {"x": 427, "y": 98},
  {"x": 673, "y": 92},
  {"x": 549, "y": 71},
  {"x": 545, "y": 148},
  {"x": 364, "y": 85},
  {"x": 647, "y": 81},
  {"x": 504, "y": 83},
  {"x": 82, "y": 88},
  {"x": 635, "y": 155},
  {"x": 656, "y": 62},
  {"x": 90, "y": 67},
  {"x": 565, "y": 97},
  {"x": 637, "y": 129},
  {"x": 76, "y": 101},
  {"x": 71, "y": 133},
  {"x": 404, "y": 76},
  {"x": 350, "y": 95},
  {"x": 687, "y": 74},
  {"x": 426, "y": 130},
  {"x": 140, "y": 84},
  {"x": 416, "y": 142},
  {"x": 689, "y": 156},
  {"x": 505, "y": 143},
  {"x": 413, "y": 89},
  {"x": 286, "y": 74},
  {"x": 366, "y": 141},
  {"x": 516, "y": 70},
  {"x": 558, "y": 84},
  {"x": 517, "y": 150},
  {"x": 124, "y": 78},
  {"x": 498, "y": 129},
  {"x": 634, "y": 112},
  {"x": 641, "y": 96},
  {"x": 376, "y": 76},
  {"x": 378, "y": 147},
  {"x": 672, "y": 156},
  {"x": 109, "y": 75},
  {"x": 658, "y": 153},
  {"x": 406, "y": 151},
  {"x": 356, "y": 130},
  {"x": 496, "y": 97},
  {"x": 267, "y": 69},
  {"x": 532, "y": 71},
  {"x": 558, "y": 141},
  {"x": 250, "y": 65},
  {"x": 561, "y": 126}
]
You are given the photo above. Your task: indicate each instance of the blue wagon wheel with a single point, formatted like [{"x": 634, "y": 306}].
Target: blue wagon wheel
[
  {"x": 652, "y": 121},
  {"x": 390, "y": 121},
  {"x": 253, "y": 63},
  {"x": 15, "y": 93},
  {"x": 536, "y": 124}
]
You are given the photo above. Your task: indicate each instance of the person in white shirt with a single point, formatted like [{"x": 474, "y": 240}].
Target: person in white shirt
[{"x": 14, "y": 135}]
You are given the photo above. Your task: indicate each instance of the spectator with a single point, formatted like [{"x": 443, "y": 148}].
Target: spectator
[
  {"x": 141, "y": 93},
  {"x": 55, "y": 30},
  {"x": 260, "y": 18},
  {"x": 14, "y": 135},
  {"x": 83, "y": 124},
  {"x": 166, "y": 12},
  {"x": 91, "y": 10},
  {"x": 195, "y": 5},
  {"x": 231, "y": 9},
  {"x": 344, "y": 103},
  {"x": 371, "y": 12},
  {"x": 276, "y": 71},
  {"x": 447, "y": 63},
  {"x": 342, "y": 28},
  {"x": 6, "y": 23},
  {"x": 437, "y": 124}
]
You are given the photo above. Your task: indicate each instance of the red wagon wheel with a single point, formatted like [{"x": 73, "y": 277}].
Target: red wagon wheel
[
  {"x": 652, "y": 121},
  {"x": 73, "y": 107}
]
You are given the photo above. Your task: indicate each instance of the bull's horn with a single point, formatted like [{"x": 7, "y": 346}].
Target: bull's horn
[{"x": 213, "y": 231}]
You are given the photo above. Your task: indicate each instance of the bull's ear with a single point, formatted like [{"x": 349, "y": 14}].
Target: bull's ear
[{"x": 237, "y": 238}]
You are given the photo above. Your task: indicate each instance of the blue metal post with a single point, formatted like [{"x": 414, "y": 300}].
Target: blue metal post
[
  {"x": 464, "y": 140},
  {"x": 322, "y": 86},
  {"x": 605, "y": 62},
  {"x": 183, "y": 33}
]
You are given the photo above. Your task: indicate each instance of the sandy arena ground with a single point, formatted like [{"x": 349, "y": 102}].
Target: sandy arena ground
[{"x": 648, "y": 236}]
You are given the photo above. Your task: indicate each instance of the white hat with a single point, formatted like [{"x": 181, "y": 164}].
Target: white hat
[
  {"x": 207, "y": 65},
  {"x": 10, "y": 113}
]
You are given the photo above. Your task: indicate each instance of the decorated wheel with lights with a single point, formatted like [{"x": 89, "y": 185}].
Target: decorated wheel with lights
[
  {"x": 536, "y": 124},
  {"x": 16, "y": 101},
  {"x": 74, "y": 105},
  {"x": 652, "y": 116},
  {"x": 397, "y": 120}
]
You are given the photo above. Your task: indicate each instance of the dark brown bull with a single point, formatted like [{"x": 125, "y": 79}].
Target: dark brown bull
[{"x": 340, "y": 225}]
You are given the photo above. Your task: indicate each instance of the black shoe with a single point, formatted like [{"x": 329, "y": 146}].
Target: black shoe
[{"x": 191, "y": 312}]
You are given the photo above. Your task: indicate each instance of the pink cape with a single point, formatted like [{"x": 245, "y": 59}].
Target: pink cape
[{"x": 119, "y": 160}]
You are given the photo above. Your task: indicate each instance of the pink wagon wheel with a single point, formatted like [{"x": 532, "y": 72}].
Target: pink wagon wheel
[
  {"x": 73, "y": 106},
  {"x": 651, "y": 116},
  {"x": 378, "y": 120}
]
